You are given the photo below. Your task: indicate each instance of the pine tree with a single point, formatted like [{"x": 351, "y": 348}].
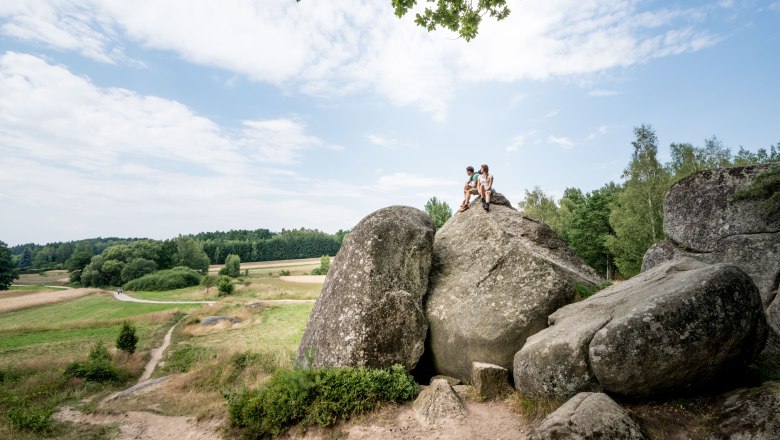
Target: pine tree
[{"x": 127, "y": 339}]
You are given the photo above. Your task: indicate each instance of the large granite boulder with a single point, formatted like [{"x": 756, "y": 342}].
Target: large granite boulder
[
  {"x": 496, "y": 277},
  {"x": 369, "y": 312},
  {"x": 588, "y": 416},
  {"x": 678, "y": 326},
  {"x": 750, "y": 414},
  {"x": 703, "y": 221},
  {"x": 700, "y": 210}
]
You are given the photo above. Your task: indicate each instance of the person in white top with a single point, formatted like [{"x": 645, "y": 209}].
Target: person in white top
[{"x": 485, "y": 186}]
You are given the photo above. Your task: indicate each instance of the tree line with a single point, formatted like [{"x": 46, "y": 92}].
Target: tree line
[{"x": 612, "y": 227}]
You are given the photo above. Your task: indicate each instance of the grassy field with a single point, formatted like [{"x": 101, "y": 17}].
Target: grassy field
[
  {"x": 48, "y": 278},
  {"x": 37, "y": 343},
  {"x": 37, "y": 288}
]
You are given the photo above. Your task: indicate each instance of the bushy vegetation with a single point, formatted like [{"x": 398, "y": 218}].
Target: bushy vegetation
[
  {"x": 99, "y": 366},
  {"x": 324, "y": 266},
  {"x": 612, "y": 227},
  {"x": 264, "y": 245},
  {"x": 439, "y": 211},
  {"x": 8, "y": 271},
  {"x": 316, "y": 396},
  {"x": 170, "y": 279},
  {"x": 766, "y": 189},
  {"x": 232, "y": 266},
  {"x": 225, "y": 285},
  {"x": 127, "y": 339}
]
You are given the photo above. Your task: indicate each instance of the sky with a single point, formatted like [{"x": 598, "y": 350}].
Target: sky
[{"x": 167, "y": 117}]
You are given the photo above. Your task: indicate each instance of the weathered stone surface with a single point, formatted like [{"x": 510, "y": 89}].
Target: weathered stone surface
[
  {"x": 450, "y": 380},
  {"x": 678, "y": 326},
  {"x": 490, "y": 381},
  {"x": 214, "y": 320},
  {"x": 588, "y": 416},
  {"x": 369, "y": 312},
  {"x": 758, "y": 255},
  {"x": 496, "y": 277},
  {"x": 699, "y": 211},
  {"x": 750, "y": 414},
  {"x": 438, "y": 403}
]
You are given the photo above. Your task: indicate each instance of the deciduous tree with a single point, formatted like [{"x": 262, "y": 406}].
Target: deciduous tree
[
  {"x": 439, "y": 211},
  {"x": 8, "y": 267}
]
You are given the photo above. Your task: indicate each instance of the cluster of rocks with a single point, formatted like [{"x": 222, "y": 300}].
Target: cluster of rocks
[{"x": 489, "y": 298}]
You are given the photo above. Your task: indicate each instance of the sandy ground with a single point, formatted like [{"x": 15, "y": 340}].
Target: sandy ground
[
  {"x": 141, "y": 425},
  {"x": 32, "y": 299},
  {"x": 485, "y": 420},
  {"x": 304, "y": 279},
  {"x": 268, "y": 265}
]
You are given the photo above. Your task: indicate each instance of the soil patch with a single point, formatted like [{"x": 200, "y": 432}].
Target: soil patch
[
  {"x": 136, "y": 425},
  {"x": 40, "y": 298},
  {"x": 493, "y": 420}
]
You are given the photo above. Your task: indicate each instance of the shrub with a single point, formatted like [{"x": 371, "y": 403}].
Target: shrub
[
  {"x": 127, "y": 339},
  {"x": 316, "y": 396},
  {"x": 284, "y": 273},
  {"x": 232, "y": 266},
  {"x": 170, "y": 279},
  {"x": 99, "y": 366},
  {"x": 225, "y": 285},
  {"x": 30, "y": 418},
  {"x": 324, "y": 266}
]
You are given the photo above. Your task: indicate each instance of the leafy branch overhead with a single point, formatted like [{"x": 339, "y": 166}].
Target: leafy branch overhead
[{"x": 461, "y": 16}]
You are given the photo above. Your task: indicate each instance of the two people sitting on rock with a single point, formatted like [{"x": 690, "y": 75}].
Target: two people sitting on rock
[{"x": 480, "y": 183}]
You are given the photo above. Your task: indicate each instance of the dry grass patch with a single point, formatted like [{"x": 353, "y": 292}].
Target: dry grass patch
[
  {"x": 531, "y": 407},
  {"x": 35, "y": 299}
]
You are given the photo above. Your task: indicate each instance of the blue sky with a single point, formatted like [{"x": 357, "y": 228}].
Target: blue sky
[{"x": 155, "y": 118}]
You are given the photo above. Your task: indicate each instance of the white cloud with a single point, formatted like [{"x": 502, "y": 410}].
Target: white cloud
[
  {"x": 603, "y": 92},
  {"x": 341, "y": 46},
  {"x": 69, "y": 147},
  {"x": 551, "y": 114},
  {"x": 564, "y": 142},
  {"x": 601, "y": 131},
  {"x": 519, "y": 141}
]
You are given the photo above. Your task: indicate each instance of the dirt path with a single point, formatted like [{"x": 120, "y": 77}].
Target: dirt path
[
  {"x": 141, "y": 425},
  {"x": 157, "y": 353},
  {"x": 123, "y": 297}
]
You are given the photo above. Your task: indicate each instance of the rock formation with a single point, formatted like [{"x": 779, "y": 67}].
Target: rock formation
[
  {"x": 438, "y": 403},
  {"x": 369, "y": 312},
  {"x": 678, "y": 326},
  {"x": 750, "y": 414},
  {"x": 703, "y": 221},
  {"x": 496, "y": 277},
  {"x": 588, "y": 416}
]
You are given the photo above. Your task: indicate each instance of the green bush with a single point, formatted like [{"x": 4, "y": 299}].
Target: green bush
[
  {"x": 284, "y": 273},
  {"x": 170, "y": 279},
  {"x": 127, "y": 339},
  {"x": 324, "y": 266},
  {"x": 99, "y": 366},
  {"x": 232, "y": 266},
  {"x": 225, "y": 285},
  {"x": 30, "y": 418},
  {"x": 316, "y": 396}
]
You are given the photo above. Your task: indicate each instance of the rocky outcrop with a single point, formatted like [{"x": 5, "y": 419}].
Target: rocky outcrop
[
  {"x": 497, "y": 275},
  {"x": 700, "y": 210},
  {"x": 676, "y": 327},
  {"x": 704, "y": 221},
  {"x": 588, "y": 416},
  {"x": 369, "y": 312},
  {"x": 489, "y": 381},
  {"x": 750, "y": 414},
  {"x": 437, "y": 404}
]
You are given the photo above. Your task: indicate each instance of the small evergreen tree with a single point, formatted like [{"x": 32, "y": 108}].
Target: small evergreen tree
[
  {"x": 127, "y": 339},
  {"x": 208, "y": 282},
  {"x": 225, "y": 285},
  {"x": 232, "y": 266}
]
